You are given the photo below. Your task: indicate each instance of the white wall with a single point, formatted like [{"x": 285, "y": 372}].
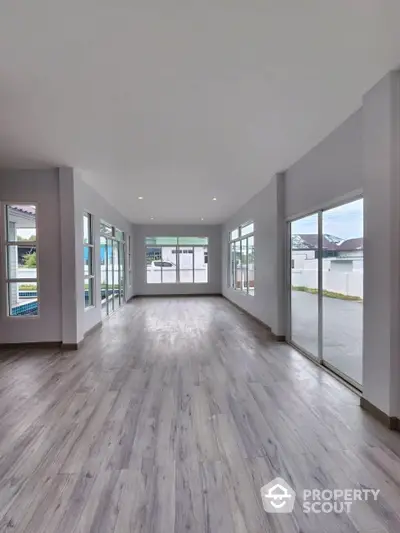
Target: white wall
[
  {"x": 263, "y": 209},
  {"x": 214, "y": 259},
  {"x": 40, "y": 187},
  {"x": 330, "y": 171},
  {"x": 381, "y": 134},
  {"x": 87, "y": 199}
]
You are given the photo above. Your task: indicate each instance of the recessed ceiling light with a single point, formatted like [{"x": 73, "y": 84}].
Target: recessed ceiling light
[
  {"x": 214, "y": 199},
  {"x": 140, "y": 197},
  {"x": 151, "y": 218},
  {"x": 202, "y": 218}
]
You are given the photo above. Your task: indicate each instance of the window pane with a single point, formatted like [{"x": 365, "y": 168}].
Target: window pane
[
  {"x": 168, "y": 264},
  {"x": 116, "y": 275},
  {"x": 201, "y": 264},
  {"x": 21, "y": 261},
  {"x": 243, "y": 264},
  {"x": 193, "y": 241},
  {"x": 249, "y": 228},
  {"x": 234, "y": 234},
  {"x": 342, "y": 284},
  {"x": 21, "y": 223},
  {"x": 159, "y": 241},
  {"x": 186, "y": 264},
  {"x": 250, "y": 260},
  {"x": 22, "y": 299},
  {"x": 88, "y": 260},
  {"x": 105, "y": 228},
  {"x": 153, "y": 256},
  {"x": 87, "y": 238},
  {"x": 89, "y": 292},
  {"x": 103, "y": 272},
  {"x": 122, "y": 272},
  {"x": 304, "y": 283},
  {"x": 232, "y": 272},
  {"x": 238, "y": 278},
  {"x": 119, "y": 235}
]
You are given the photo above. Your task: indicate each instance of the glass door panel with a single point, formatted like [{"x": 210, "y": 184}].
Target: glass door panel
[
  {"x": 122, "y": 271},
  {"x": 110, "y": 271},
  {"x": 103, "y": 275},
  {"x": 342, "y": 288},
  {"x": 304, "y": 284},
  {"x": 116, "y": 295}
]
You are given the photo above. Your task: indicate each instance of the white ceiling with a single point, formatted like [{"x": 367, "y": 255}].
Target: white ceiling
[{"x": 180, "y": 101}]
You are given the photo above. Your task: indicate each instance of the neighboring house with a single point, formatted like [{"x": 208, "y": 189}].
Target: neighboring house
[{"x": 305, "y": 250}]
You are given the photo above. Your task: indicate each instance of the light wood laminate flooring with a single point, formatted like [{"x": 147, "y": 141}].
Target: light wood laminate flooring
[{"x": 171, "y": 418}]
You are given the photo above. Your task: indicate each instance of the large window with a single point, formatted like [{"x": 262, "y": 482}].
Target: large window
[
  {"x": 241, "y": 258},
  {"x": 22, "y": 279},
  {"x": 88, "y": 254},
  {"x": 177, "y": 259},
  {"x": 326, "y": 304}
]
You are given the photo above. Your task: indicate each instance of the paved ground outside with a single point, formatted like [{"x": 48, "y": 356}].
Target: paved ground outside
[{"x": 342, "y": 330}]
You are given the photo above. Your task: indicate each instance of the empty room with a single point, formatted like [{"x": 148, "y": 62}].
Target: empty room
[{"x": 199, "y": 266}]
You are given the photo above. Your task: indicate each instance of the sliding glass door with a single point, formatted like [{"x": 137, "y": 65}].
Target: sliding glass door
[
  {"x": 304, "y": 284},
  {"x": 326, "y": 287}
]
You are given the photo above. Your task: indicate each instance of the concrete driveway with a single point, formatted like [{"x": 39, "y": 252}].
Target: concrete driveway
[{"x": 342, "y": 331}]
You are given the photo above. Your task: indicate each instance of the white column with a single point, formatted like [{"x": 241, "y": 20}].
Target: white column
[
  {"x": 381, "y": 145},
  {"x": 70, "y": 334}
]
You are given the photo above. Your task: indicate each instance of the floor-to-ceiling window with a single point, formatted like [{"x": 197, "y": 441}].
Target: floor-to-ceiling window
[
  {"x": 326, "y": 296},
  {"x": 112, "y": 259}
]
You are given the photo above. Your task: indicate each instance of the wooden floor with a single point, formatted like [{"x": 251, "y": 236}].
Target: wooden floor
[{"x": 171, "y": 419}]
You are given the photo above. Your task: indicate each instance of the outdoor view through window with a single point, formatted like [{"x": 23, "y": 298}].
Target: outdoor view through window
[
  {"x": 327, "y": 287},
  {"x": 177, "y": 259},
  {"x": 21, "y": 266}
]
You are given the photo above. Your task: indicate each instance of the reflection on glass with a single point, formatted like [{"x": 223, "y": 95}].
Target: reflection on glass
[
  {"x": 304, "y": 283},
  {"x": 343, "y": 266}
]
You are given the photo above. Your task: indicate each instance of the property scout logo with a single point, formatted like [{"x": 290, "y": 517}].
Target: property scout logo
[{"x": 279, "y": 497}]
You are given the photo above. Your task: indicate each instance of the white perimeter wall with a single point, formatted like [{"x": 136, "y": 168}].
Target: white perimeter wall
[
  {"x": 40, "y": 187},
  {"x": 87, "y": 199},
  {"x": 214, "y": 259}
]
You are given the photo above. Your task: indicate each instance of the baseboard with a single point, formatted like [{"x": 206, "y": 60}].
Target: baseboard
[
  {"x": 391, "y": 422},
  {"x": 278, "y": 338},
  {"x": 22, "y": 345},
  {"x": 71, "y": 346},
  {"x": 97, "y": 326}
]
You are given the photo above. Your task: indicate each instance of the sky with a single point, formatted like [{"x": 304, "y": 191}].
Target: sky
[{"x": 345, "y": 221}]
